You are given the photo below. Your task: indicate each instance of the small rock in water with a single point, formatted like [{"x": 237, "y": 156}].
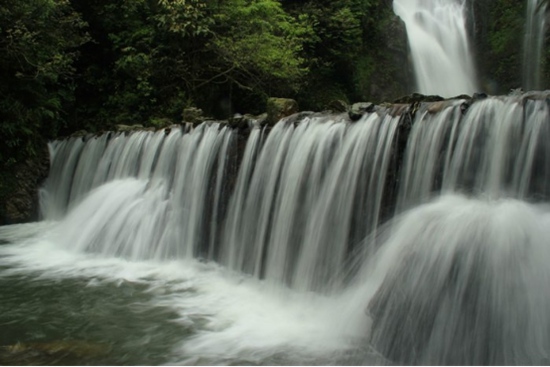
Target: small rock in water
[{"x": 359, "y": 109}]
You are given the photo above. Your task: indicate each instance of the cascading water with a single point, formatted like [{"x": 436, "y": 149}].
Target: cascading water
[
  {"x": 533, "y": 43},
  {"x": 462, "y": 279},
  {"x": 440, "y": 50},
  {"x": 418, "y": 233},
  {"x": 497, "y": 149},
  {"x": 157, "y": 195},
  {"x": 316, "y": 192}
]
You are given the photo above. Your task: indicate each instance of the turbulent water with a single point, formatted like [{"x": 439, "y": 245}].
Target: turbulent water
[
  {"x": 533, "y": 44},
  {"x": 439, "y": 45},
  {"x": 412, "y": 236}
]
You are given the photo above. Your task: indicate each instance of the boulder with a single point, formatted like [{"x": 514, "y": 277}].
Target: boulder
[
  {"x": 338, "y": 105},
  {"x": 277, "y": 108}
]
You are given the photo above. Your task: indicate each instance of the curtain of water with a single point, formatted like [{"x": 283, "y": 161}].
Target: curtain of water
[
  {"x": 496, "y": 149},
  {"x": 533, "y": 43},
  {"x": 142, "y": 196},
  {"x": 316, "y": 190},
  {"x": 440, "y": 50}
]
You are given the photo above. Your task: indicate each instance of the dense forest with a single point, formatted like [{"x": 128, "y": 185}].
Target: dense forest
[{"x": 68, "y": 65}]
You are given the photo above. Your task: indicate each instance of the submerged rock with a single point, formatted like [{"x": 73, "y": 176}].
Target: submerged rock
[{"x": 59, "y": 352}]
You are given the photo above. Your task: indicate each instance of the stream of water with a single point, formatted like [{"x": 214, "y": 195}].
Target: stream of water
[{"x": 439, "y": 44}]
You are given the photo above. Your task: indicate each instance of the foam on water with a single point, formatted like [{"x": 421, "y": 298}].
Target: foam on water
[
  {"x": 234, "y": 317},
  {"x": 463, "y": 281}
]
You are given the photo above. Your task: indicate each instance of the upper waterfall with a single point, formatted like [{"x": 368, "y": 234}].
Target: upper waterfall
[
  {"x": 533, "y": 43},
  {"x": 439, "y": 45}
]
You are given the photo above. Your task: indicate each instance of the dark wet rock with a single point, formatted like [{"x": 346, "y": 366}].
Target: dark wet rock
[
  {"x": 417, "y": 98},
  {"x": 357, "y": 110},
  {"x": 19, "y": 198},
  {"x": 240, "y": 122},
  {"x": 464, "y": 96},
  {"x": 277, "y": 108},
  {"x": 261, "y": 120},
  {"x": 479, "y": 96},
  {"x": 338, "y": 105},
  {"x": 128, "y": 128},
  {"x": 516, "y": 92}
]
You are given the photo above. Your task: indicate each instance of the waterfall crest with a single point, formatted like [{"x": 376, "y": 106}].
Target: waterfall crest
[{"x": 497, "y": 148}]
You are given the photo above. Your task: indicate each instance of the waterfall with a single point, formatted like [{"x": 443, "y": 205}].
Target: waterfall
[
  {"x": 533, "y": 43},
  {"x": 428, "y": 222},
  {"x": 461, "y": 274},
  {"x": 144, "y": 195},
  {"x": 440, "y": 50},
  {"x": 316, "y": 191},
  {"x": 498, "y": 148}
]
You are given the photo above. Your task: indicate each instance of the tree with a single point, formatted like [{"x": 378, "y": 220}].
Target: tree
[
  {"x": 255, "y": 49},
  {"x": 38, "y": 46}
]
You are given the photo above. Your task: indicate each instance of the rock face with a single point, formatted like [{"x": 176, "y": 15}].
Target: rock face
[
  {"x": 396, "y": 76},
  {"x": 277, "y": 108},
  {"x": 19, "y": 201}
]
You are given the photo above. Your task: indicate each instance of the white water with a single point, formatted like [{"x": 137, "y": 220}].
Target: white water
[
  {"x": 440, "y": 50},
  {"x": 497, "y": 149},
  {"x": 463, "y": 281},
  {"x": 234, "y": 318},
  {"x": 533, "y": 44},
  {"x": 150, "y": 188},
  {"x": 295, "y": 224}
]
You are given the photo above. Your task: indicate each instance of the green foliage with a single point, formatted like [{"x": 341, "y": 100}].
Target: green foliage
[
  {"x": 38, "y": 46},
  {"x": 505, "y": 42},
  {"x": 257, "y": 46},
  {"x": 343, "y": 48}
]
